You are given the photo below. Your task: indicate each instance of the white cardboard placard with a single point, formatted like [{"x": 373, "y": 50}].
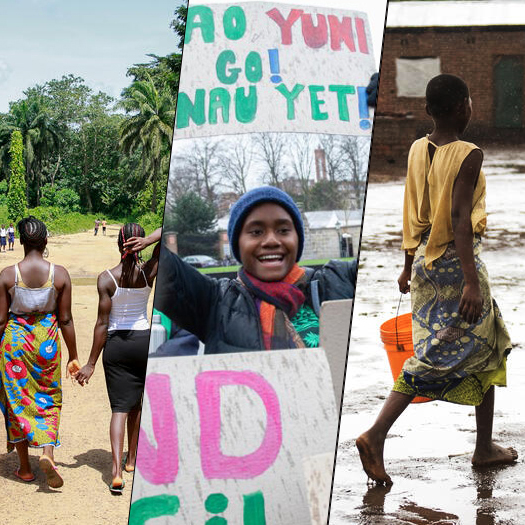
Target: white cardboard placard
[
  {"x": 256, "y": 67},
  {"x": 228, "y": 436}
]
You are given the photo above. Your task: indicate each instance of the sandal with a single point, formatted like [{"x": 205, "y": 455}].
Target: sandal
[
  {"x": 25, "y": 480},
  {"x": 54, "y": 480},
  {"x": 117, "y": 485}
]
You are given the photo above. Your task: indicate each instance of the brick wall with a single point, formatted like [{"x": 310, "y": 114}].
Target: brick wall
[{"x": 468, "y": 52}]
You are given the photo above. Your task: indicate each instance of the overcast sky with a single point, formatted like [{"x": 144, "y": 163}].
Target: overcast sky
[{"x": 95, "y": 39}]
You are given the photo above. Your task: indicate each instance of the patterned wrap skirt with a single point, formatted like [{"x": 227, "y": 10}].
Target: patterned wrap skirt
[
  {"x": 453, "y": 360},
  {"x": 30, "y": 379}
]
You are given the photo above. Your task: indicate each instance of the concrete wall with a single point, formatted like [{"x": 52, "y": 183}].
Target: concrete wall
[{"x": 324, "y": 243}]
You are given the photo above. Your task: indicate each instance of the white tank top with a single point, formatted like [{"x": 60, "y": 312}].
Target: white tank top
[{"x": 129, "y": 307}]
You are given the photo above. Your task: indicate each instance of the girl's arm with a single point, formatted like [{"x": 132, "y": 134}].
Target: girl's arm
[
  {"x": 5, "y": 299},
  {"x": 137, "y": 244},
  {"x": 100, "y": 331},
  {"x": 184, "y": 294},
  {"x": 65, "y": 319},
  {"x": 471, "y": 301},
  {"x": 151, "y": 266},
  {"x": 404, "y": 279}
]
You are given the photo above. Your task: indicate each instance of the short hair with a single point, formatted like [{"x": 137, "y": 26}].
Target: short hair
[
  {"x": 33, "y": 232},
  {"x": 444, "y": 93}
]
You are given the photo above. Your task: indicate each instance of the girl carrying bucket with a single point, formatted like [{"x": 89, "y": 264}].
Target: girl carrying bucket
[{"x": 460, "y": 339}]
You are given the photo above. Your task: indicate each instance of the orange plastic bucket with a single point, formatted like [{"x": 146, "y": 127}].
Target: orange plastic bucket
[{"x": 396, "y": 334}]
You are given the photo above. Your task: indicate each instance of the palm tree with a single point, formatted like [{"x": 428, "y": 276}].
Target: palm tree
[
  {"x": 40, "y": 133},
  {"x": 150, "y": 127}
]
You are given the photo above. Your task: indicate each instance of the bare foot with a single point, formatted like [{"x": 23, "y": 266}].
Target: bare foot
[
  {"x": 371, "y": 455},
  {"x": 495, "y": 455}
]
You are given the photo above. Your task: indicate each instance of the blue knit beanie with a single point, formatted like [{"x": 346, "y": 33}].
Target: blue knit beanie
[{"x": 248, "y": 201}]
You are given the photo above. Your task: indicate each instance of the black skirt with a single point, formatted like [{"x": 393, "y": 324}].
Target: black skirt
[{"x": 125, "y": 359}]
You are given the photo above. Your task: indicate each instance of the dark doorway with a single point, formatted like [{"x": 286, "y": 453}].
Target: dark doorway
[{"x": 508, "y": 91}]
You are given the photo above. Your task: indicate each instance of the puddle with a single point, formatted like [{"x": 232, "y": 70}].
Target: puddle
[{"x": 429, "y": 449}]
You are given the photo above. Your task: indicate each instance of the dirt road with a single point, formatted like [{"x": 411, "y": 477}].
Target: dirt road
[{"x": 84, "y": 459}]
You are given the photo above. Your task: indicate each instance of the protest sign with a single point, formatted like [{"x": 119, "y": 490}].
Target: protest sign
[
  {"x": 257, "y": 67},
  {"x": 224, "y": 438}
]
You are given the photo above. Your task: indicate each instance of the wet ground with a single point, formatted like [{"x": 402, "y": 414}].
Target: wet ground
[{"x": 429, "y": 449}]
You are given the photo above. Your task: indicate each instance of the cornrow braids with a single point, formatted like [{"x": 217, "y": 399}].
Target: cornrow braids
[
  {"x": 32, "y": 232},
  {"x": 131, "y": 229}
]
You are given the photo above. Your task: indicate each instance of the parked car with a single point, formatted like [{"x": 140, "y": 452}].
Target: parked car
[{"x": 201, "y": 261}]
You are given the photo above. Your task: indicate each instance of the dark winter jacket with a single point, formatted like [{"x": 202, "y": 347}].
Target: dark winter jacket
[{"x": 222, "y": 312}]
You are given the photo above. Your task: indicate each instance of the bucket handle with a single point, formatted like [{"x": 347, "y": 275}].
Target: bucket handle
[{"x": 400, "y": 348}]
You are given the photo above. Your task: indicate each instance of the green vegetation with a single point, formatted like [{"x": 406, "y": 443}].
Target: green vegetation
[
  {"x": 69, "y": 154},
  {"x": 310, "y": 262},
  {"x": 16, "y": 195}
]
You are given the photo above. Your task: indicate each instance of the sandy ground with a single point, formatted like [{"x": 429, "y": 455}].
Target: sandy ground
[
  {"x": 429, "y": 449},
  {"x": 84, "y": 459}
]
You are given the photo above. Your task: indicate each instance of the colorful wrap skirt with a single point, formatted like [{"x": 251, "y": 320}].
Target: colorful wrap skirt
[
  {"x": 453, "y": 360},
  {"x": 30, "y": 379}
]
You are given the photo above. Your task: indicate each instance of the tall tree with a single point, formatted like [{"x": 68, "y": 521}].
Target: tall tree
[
  {"x": 302, "y": 165},
  {"x": 16, "y": 195},
  {"x": 271, "y": 149},
  {"x": 235, "y": 165},
  {"x": 178, "y": 24},
  {"x": 40, "y": 134},
  {"x": 150, "y": 127}
]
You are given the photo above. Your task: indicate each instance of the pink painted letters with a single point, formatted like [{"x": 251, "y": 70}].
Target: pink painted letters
[
  {"x": 215, "y": 464},
  {"x": 159, "y": 465}
]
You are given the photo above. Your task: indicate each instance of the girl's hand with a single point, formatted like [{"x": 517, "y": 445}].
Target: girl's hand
[
  {"x": 404, "y": 281},
  {"x": 471, "y": 303},
  {"x": 84, "y": 374},
  {"x": 72, "y": 368},
  {"x": 136, "y": 244}
]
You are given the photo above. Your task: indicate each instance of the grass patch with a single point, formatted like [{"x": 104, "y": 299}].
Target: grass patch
[{"x": 310, "y": 262}]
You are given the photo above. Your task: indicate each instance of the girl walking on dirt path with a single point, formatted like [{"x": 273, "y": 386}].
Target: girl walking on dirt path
[
  {"x": 122, "y": 329},
  {"x": 11, "y": 237},
  {"x": 460, "y": 340},
  {"x": 35, "y": 301}
]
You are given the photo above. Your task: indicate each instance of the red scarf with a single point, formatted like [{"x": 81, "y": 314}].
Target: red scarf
[{"x": 277, "y": 302}]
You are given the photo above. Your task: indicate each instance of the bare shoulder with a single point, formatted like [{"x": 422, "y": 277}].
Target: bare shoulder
[
  {"x": 473, "y": 161},
  {"x": 105, "y": 283},
  {"x": 7, "y": 276},
  {"x": 62, "y": 277}
]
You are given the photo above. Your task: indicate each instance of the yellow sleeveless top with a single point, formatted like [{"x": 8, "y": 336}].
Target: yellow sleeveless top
[{"x": 428, "y": 196}]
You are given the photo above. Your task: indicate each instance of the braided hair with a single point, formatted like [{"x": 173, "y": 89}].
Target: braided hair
[
  {"x": 131, "y": 229},
  {"x": 33, "y": 233}
]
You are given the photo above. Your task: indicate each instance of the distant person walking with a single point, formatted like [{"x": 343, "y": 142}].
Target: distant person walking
[
  {"x": 35, "y": 301},
  {"x": 3, "y": 238},
  {"x": 11, "y": 237},
  {"x": 104, "y": 223},
  {"x": 122, "y": 330},
  {"x": 97, "y": 225}
]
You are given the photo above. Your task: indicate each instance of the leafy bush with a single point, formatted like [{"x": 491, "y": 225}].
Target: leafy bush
[
  {"x": 3, "y": 193},
  {"x": 16, "y": 196},
  {"x": 66, "y": 199},
  {"x": 60, "y": 223}
]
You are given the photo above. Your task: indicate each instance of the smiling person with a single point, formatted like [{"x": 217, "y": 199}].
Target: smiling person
[
  {"x": 273, "y": 303},
  {"x": 35, "y": 301}
]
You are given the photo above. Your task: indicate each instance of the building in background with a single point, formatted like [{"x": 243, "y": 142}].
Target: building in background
[{"x": 483, "y": 45}]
